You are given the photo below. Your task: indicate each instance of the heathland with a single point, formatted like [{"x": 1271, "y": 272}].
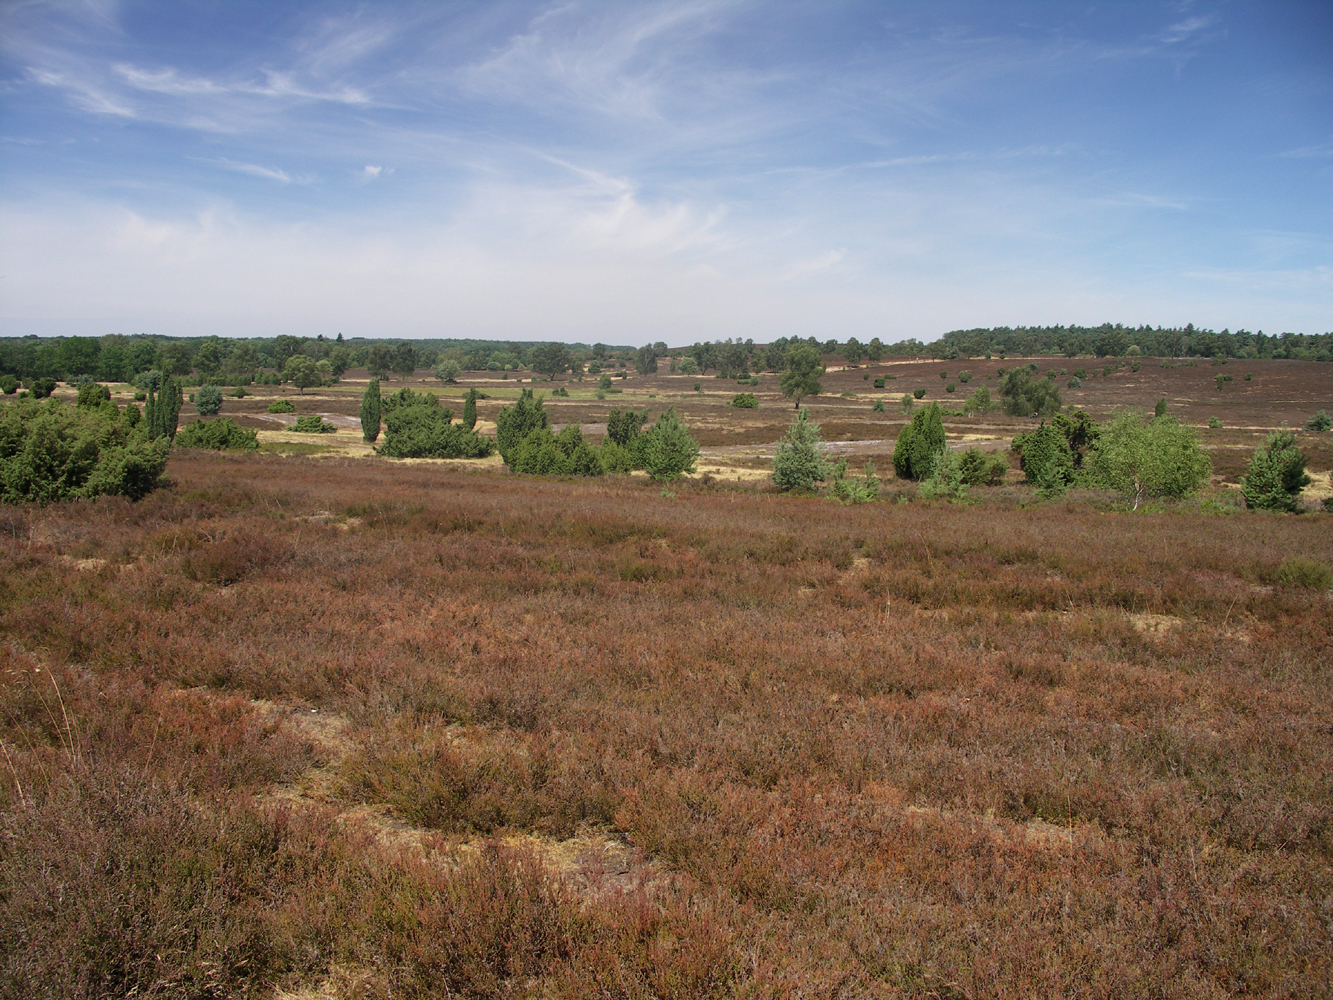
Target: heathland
[{"x": 309, "y": 721}]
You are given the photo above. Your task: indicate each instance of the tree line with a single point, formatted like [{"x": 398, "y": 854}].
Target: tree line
[{"x": 1115, "y": 340}]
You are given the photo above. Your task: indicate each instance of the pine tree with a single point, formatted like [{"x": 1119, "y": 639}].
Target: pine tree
[
  {"x": 799, "y": 461},
  {"x": 370, "y": 412},
  {"x": 470, "y": 409}
]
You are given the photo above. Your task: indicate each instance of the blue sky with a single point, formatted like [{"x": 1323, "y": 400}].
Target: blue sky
[{"x": 632, "y": 172}]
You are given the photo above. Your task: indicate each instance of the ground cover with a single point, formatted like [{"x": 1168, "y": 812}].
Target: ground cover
[{"x": 365, "y": 728}]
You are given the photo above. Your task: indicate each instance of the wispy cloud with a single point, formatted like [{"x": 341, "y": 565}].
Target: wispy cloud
[{"x": 254, "y": 170}]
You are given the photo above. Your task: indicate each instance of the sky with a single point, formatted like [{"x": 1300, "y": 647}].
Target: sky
[{"x": 630, "y": 172}]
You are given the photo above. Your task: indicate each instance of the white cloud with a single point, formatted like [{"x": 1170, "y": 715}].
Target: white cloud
[
  {"x": 372, "y": 172},
  {"x": 255, "y": 170}
]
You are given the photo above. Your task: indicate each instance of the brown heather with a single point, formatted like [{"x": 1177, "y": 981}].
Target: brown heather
[{"x": 262, "y": 738}]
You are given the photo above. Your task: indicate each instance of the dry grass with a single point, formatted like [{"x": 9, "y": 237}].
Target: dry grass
[{"x": 583, "y": 739}]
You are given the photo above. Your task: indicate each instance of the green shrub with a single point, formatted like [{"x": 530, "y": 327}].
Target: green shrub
[
  {"x": 1249, "y": 376},
  {"x": 615, "y": 457},
  {"x": 1320, "y": 422},
  {"x": 979, "y": 469},
  {"x": 1080, "y": 430},
  {"x": 622, "y": 426},
  {"x": 208, "y": 400},
  {"x": 879, "y": 382},
  {"x": 918, "y": 393},
  {"x": 668, "y": 449},
  {"x": 1301, "y": 572},
  {"x": 907, "y": 402},
  {"x": 1215, "y": 423},
  {"x": 542, "y": 453},
  {"x": 879, "y": 406},
  {"x": 744, "y": 401},
  {"x": 950, "y": 387},
  {"x": 919, "y": 444},
  {"x": 238, "y": 393},
  {"x": 51, "y": 452},
  {"x": 1025, "y": 396},
  {"x": 979, "y": 401},
  {"x": 943, "y": 376},
  {"x": 945, "y": 481},
  {"x": 9, "y": 384},
  {"x": 1148, "y": 459},
  {"x": 965, "y": 377},
  {"x": 470, "y": 409},
  {"x": 1080, "y": 373},
  {"x": 799, "y": 460},
  {"x": 514, "y": 423},
  {"x": 217, "y": 435},
  {"x": 93, "y": 395},
  {"x": 1074, "y": 383},
  {"x": 1276, "y": 474},
  {"x": 371, "y": 412},
  {"x": 41, "y": 387},
  {"x": 861, "y": 489},
  {"x": 560, "y": 390},
  {"x": 1046, "y": 460},
  {"x": 698, "y": 387},
  {"x": 312, "y": 423},
  {"x": 281, "y": 406},
  {"x": 424, "y": 429}
]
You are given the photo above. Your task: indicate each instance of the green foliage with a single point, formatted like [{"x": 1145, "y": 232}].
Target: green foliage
[
  {"x": 405, "y": 359},
  {"x": 744, "y": 401},
  {"x": 615, "y": 457},
  {"x": 51, "y": 452},
  {"x": 9, "y": 384},
  {"x": 1074, "y": 383},
  {"x": 300, "y": 371},
  {"x": 879, "y": 406},
  {"x": 801, "y": 377},
  {"x": 945, "y": 481},
  {"x": 879, "y": 382},
  {"x": 919, "y": 444},
  {"x": 447, "y": 370},
  {"x": 622, "y": 426},
  {"x": 1046, "y": 460},
  {"x": 965, "y": 377},
  {"x": 907, "y": 402},
  {"x": 1160, "y": 409},
  {"x": 1215, "y": 423},
  {"x": 1320, "y": 422},
  {"x": 542, "y": 453},
  {"x": 976, "y": 468},
  {"x": 418, "y": 427},
  {"x": 1025, "y": 396},
  {"x": 1276, "y": 475},
  {"x": 514, "y": 423},
  {"x": 979, "y": 401},
  {"x": 208, "y": 400},
  {"x": 951, "y": 387},
  {"x": 1301, "y": 572},
  {"x": 799, "y": 461},
  {"x": 667, "y": 448},
  {"x": 1148, "y": 459},
  {"x": 92, "y": 395},
  {"x": 1080, "y": 431},
  {"x": 217, "y": 435},
  {"x": 550, "y": 359},
  {"x": 645, "y": 360},
  {"x": 689, "y": 366},
  {"x": 312, "y": 423},
  {"x": 470, "y": 409},
  {"x": 41, "y": 387},
  {"x": 286, "y": 405},
  {"x": 162, "y": 412},
  {"x": 371, "y": 411},
  {"x": 861, "y": 489},
  {"x": 918, "y": 393}
]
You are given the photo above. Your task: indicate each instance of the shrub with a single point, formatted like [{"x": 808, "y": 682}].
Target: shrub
[
  {"x": 1142, "y": 459},
  {"x": 1025, "y": 396},
  {"x": 919, "y": 444},
  {"x": 1249, "y": 376},
  {"x": 424, "y": 429},
  {"x": 1301, "y": 572},
  {"x": 282, "y": 406},
  {"x": 1215, "y": 423},
  {"x": 945, "y": 481},
  {"x": 799, "y": 460},
  {"x": 1160, "y": 409},
  {"x": 470, "y": 409},
  {"x": 371, "y": 410},
  {"x": 977, "y": 468},
  {"x": 951, "y": 388},
  {"x": 564, "y": 454},
  {"x": 9, "y": 384},
  {"x": 879, "y": 406},
  {"x": 238, "y": 393},
  {"x": 217, "y": 435},
  {"x": 1046, "y": 460},
  {"x": 312, "y": 423},
  {"x": 689, "y": 366},
  {"x": 698, "y": 387},
  {"x": 447, "y": 370},
  {"x": 1074, "y": 383},
  {"x": 943, "y": 376},
  {"x": 1320, "y": 422},
  {"x": 41, "y": 387},
  {"x": 622, "y": 426},
  {"x": 93, "y": 395},
  {"x": 615, "y": 457},
  {"x": 907, "y": 402},
  {"x": 1080, "y": 373},
  {"x": 979, "y": 401},
  {"x": 744, "y": 401},
  {"x": 668, "y": 449},
  {"x": 208, "y": 400},
  {"x": 1276, "y": 474},
  {"x": 918, "y": 393},
  {"x": 51, "y": 452},
  {"x": 879, "y": 382},
  {"x": 861, "y": 489},
  {"x": 514, "y": 423},
  {"x": 1080, "y": 431},
  {"x": 162, "y": 412},
  {"x": 965, "y": 377}
]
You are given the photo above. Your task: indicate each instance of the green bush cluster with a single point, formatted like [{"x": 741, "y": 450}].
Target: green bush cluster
[
  {"x": 1276, "y": 475},
  {"x": 218, "y": 435},
  {"x": 312, "y": 423},
  {"x": 1025, "y": 396},
  {"x": 281, "y": 406},
  {"x": 799, "y": 461},
  {"x": 919, "y": 444},
  {"x": 542, "y": 453},
  {"x": 417, "y": 426},
  {"x": 208, "y": 400},
  {"x": 744, "y": 401},
  {"x": 51, "y": 452}
]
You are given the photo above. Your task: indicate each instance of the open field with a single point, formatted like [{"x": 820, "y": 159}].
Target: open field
[{"x": 313, "y": 723}]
